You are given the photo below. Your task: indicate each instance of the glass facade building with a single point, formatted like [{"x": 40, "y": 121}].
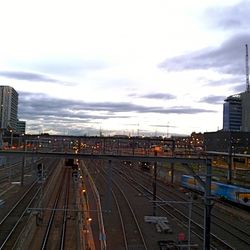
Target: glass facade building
[
  {"x": 8, "y": 108},
  {"x": 232, "y": 113}
]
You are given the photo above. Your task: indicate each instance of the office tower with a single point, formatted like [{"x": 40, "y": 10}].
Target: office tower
[
  {"x": 245, "y": 99},
  {"x": 236, "y": 109},
  {"x": 8, "y": 108},
  {"x": 21, "y": 126},
  {"x": 232, "y": 113}
]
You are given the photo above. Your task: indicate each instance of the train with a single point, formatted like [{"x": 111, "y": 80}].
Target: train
[
  {"x": 73, "y": 163},
  {"x": 233, "y": 193}
]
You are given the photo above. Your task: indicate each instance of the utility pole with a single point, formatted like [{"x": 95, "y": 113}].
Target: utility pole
[
  {"x": 154, "y": 185},
  {"x": 208, "y": 206},
  {"x": 172, "y": 164},
  {"x": 189, "y": 220},
  {"x": 108, "y": 202},
  {"x": 23, "y": 165},
  {"x": 229, "y": 175},
  {"x": 247, "y": 71}
]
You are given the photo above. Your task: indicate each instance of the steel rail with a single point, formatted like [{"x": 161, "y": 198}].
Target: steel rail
[
  {"x": 64, "y": 227},
  {"x": 52, "y": 215},
  {"x": 10, "y": 233},
  {"x": 173, "y": 209},
  {"x": 197, "y": 209},
  {"x": 120, "y": 215}
]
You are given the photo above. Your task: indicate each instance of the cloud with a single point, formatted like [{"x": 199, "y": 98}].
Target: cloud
[
  {"x": 232, "y": 80},
  {"x": 43, "y": 111},
  {"x": 40, "y": 104},
  {"x": 68, "y": 66},
  {"x": 162, "y": 126},
  {"x": 239, "y": 88},
  {"x": 228, "y": 58},
  {"x": 29, "y": 76},
  {"x": 163, "y": 96},
  {"x": 229, "y": 17},
  {"x": 212, "y": 99}
]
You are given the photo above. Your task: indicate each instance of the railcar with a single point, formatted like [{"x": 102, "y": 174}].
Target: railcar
[
  {"x": 72, "y": 163},
  {"x": 233, "y": 193}
]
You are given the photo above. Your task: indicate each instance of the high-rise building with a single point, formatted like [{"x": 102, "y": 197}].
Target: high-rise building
[
  {"x": 8, "y": 108},
  {"x": 236, "y": 112},
  {"x": 21, "y": 126},
  {"x": 245, "y": 100},
  {"x": 232, "y": 113}
]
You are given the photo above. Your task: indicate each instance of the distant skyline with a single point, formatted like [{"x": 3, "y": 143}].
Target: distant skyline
[{"x": 121, "y": 66}]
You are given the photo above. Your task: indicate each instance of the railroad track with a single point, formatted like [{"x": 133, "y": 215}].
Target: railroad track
[
  {"x": 232, "y": 227},
  {"x": 133, "y": 237},
  {"x": 65, "y": 214},
  {"x": 177, "y": 214},
  {"x": 241, "y": 235},
  {"x": 57, "y": 217},
  {"x": 12, "y": 224},
  {"x": 15, "y": 220},
  {"x": 13, "y": 172}
]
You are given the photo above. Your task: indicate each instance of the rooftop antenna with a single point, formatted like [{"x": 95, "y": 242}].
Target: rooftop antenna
[{"x": 247, "y": 71}]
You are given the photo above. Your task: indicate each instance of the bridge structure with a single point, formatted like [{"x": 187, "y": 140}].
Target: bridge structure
[
  {"x": 110, "y": 149},
  {"x": 117, "y": 148}
]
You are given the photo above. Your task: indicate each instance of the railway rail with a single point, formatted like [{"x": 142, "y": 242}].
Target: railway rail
[
  {"x": 241, "y": 235},
  {"x": 131, "y": 228},
  {"x": 11, "y": 225},
  {"x": 49, "y": 241}
]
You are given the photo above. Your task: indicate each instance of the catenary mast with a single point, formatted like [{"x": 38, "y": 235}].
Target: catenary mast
[{"x": 247, "y": 71}]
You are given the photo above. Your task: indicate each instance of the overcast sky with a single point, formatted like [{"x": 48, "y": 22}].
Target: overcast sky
[{"x": 123, "y": 66}]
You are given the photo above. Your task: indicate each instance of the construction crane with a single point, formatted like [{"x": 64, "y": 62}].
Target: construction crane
[{"x": 247, "y": 71}]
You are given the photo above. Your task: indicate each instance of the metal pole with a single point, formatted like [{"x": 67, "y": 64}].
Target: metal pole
[
  {"x": 11, "y": 138},
  {"x": 207, "y": 211},
  {"x": 229, "y": 174},
  {"x": 189, "y": 221},
  {"x": 172, "y": 164},
  {"x": 23, "y": 165},
  {"x": 104, "y": 146},
  {"x": 172, "y": 173},
  {"x": 8, "y": 164},
  {"x": 109, "y": 185},
  {"x": 154, "y": 185},
  {"x": 133, "y": 147},
  {"x": 1, "y": 138}
]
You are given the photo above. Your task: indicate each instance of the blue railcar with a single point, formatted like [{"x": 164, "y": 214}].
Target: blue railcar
[{"x": 228, "y": 192}]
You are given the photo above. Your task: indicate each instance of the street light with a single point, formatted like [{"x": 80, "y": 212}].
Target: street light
[{"x": 11, "y": 137}]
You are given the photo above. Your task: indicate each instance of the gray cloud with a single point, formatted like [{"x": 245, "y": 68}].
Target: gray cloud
[
  {"x": 59, "y": 113},
  {"x": 233, "y": 80},
  {"x": 69, "y": 66},
  {"x": 42, "y": 103},
  {"x": 239, "y": 88},
  {"x": 163, "y": 96},
  {"x": 227, "y": 58},
  {"x": 30, "y": 76},
  {"x": 212, "y": 99},
  {"x": 229, "y": 17},
  {"x": 163, "y": 126}
]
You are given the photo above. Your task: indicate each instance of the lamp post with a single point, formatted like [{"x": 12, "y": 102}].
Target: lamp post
[{"x": 11, "y": 137}]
